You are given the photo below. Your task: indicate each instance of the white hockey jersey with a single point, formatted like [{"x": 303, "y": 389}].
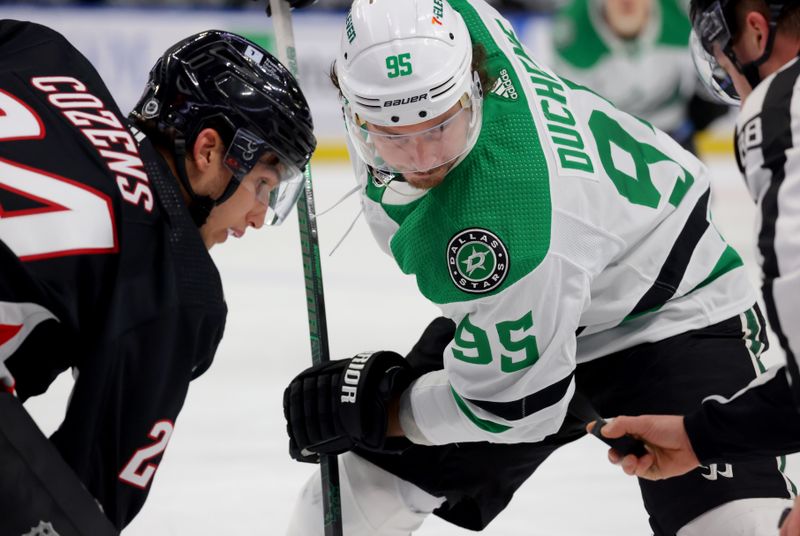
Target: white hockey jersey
[{"x": 571, "y": 230}]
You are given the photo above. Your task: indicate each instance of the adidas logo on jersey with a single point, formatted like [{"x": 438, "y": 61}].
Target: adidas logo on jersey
[{"x": 504, "y": 87}]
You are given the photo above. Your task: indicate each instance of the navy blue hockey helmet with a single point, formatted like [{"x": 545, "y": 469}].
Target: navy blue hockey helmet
[{"x": 220, "y": 80}]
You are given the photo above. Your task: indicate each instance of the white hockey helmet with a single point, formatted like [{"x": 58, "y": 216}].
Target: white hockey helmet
[{"x": 402, "y": 63}]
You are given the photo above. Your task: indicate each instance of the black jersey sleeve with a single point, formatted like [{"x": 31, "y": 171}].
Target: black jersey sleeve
[
  {"x": 125, "y": 404},
  {"x": 757, "y": 422}
]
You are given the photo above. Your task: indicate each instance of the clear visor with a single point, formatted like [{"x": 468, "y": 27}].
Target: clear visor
[
  {"x": 279, "y": 182},
  {"x": 406, "y": 150},
  {"x": 716, "y": 80},
  {"x": 711, "y": 35}
]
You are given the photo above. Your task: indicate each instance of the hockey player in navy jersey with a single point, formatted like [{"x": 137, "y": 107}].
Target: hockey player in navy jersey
[
  {"x": 105, "y": 225},
  {"x": 570, "y": 249}
]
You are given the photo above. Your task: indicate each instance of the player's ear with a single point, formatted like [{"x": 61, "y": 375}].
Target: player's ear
[
  {"x": 208, "y": 148},
  {"x": 758, "y": 27}
]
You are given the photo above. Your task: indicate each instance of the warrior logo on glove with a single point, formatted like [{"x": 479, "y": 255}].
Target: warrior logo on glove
[
  {"x": 351, "y": 377},
  {"x": 335, "y": 406}
]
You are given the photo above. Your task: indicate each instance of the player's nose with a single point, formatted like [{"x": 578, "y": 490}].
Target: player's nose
[
  {"x": 256, "y": 217},
  {"x": 423, "y": 155}
]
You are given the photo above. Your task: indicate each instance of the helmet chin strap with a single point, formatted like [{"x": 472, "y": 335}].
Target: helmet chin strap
[
  {"x": 750, "y": 70},
  {"x": 199, "y": 205},
  {"x": 233, "y": 184}
]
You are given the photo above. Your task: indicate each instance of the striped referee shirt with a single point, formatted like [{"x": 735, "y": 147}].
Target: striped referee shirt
[{"x": 763, "y": 419}]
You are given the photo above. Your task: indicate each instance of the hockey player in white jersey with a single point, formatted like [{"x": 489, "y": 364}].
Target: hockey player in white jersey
[
  {"x": 636, "y": 54},
  {"x": 570, "y": 249}
]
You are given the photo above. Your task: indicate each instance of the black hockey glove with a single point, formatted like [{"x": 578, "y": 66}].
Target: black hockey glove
[{"x": 333, "y": 407}]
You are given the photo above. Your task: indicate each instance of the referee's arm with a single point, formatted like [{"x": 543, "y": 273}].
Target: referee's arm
[{"x": 761, "y": 420}]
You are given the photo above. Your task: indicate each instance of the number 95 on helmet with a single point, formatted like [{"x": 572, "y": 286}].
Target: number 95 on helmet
[
  {"x": 216, "y": 79},
  {"x": 410, "y": 97}
]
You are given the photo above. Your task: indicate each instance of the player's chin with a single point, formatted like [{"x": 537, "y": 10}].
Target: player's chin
[{"x": 218, "y": 237}]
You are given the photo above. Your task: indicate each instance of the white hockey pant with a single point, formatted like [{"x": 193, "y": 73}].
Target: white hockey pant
[
  {"x": 374, "y": 502},
  {"x": 744, "y": 517},
  {"x": 377, "y": 503}
]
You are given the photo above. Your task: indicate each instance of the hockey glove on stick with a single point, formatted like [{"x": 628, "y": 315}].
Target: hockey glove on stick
[{"x": 335, "y": 406}]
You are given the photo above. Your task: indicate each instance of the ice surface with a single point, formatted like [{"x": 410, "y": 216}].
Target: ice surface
[{"x": 227, "y": 470}]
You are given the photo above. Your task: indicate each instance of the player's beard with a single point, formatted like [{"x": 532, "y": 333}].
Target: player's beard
[{"x": 425, "y": 180}]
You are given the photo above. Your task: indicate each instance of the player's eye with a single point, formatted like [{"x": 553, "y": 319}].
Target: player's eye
[{"x": 263, "y": 189}]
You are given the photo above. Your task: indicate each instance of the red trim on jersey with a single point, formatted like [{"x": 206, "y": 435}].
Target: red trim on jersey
[
  {"x": 103, "y": 196},
  {"x": 50, "y": 206},
  {"x": 42, "y": 130},
  {"x": 8, "y": 332}
]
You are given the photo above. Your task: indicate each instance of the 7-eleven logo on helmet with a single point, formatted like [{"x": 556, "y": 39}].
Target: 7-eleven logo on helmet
[{"x": 438, "y": 12}]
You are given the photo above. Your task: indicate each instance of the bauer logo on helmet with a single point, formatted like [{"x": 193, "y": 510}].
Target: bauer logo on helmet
[{"x": 407, "y": 100}]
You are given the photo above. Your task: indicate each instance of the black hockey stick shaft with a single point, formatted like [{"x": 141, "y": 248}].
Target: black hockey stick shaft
[
  {"x": 312, "y": 270},
  {"x": 582, "y": 409}
]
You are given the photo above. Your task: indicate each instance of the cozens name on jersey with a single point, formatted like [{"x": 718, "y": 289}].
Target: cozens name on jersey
[{"x": 114, "y": 142}]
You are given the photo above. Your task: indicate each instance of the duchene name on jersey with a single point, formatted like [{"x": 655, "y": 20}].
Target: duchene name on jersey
[
  {"x": 112, "y": 140},
  {"x": 563, "y": 131}
]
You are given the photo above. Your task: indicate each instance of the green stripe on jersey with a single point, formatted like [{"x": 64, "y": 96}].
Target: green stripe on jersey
[
  {"x": 754, "y": 329},
  {"x": 483, "y": 424},
  {"x": 729, "y": 260},
  {"x": 782, "y": 469}
]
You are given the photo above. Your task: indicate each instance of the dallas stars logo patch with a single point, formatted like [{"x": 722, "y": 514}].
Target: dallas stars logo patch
[{"x": 477, "y": 260}]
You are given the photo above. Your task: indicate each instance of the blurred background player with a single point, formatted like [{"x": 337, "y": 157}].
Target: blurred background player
[
  {"x": 570, "y": 248},
  {"x": 636, "y": 54},
  {"x": 105, "y": 228}
]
